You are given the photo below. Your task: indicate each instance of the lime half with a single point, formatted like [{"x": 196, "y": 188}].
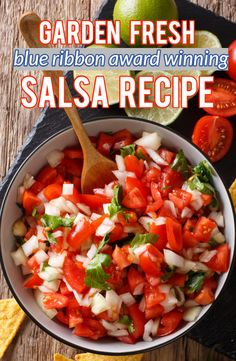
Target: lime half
[{"x": 164, "y": 116}]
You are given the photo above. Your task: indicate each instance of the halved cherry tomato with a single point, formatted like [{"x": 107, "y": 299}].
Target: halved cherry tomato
[
  {"x": 122, "y": 138},
  {"x": 138, "y": 319},
  {"x": 203, "y": 229},
  {"x": 121, "y": 257},
  {"x": 33, "y": 281},
  {"x": 205, "y": 296},
  {"x": 30, "y": 201},
  {"x": 150, "y": 260},
  {"x": 135, "y": 279},
  {"x": 214, "y": 136},
  {"x": 223, "y": 97},
  {"x": 232, "y": 61},
  {"x": 135, "y": 165},
  {"x": 220, "y": 262},
  {"x": 55, "y": 300},
  {"x": 105, "y": 143},
  {"x": 134, "y": 199},
  {"x": 90, "y": 328},
  {"x": 156, "y": 195},
  {"x": 153, "y": 296},
  {"x": 52, "y": 191},
  {"x": 73, "y": 153},
  {"x": 169, "y": 322},
  {"x": 160, "y": 230},
  {"x": 174, "y": 235},
  {"x": 74, "y": 274},
  {"x": 47, "y": 175},
  {"x": 79, "y": 234}
]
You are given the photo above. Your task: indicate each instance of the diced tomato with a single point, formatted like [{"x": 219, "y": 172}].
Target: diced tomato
[
  {"x": 141, "y": 152},
  {"x": 75, "y": 317},
  {"x": 55, "y": 300},
  {"x": 74, "y": 273},
  {"x": 73, "y": 153},
  {"x": 105, "y": 143},
  {"x": 127, "y": 217},
  {"x": 169, "y": 180},
  {"x": 31, "y": 232},
  {"x": 205, "y": 296},
  {"x": 154, "y": 312},
  {"x": 169, "y": 322},
  {"x": 79, "y": 234},
  {"x": 58, "y": 246},
  {"x": 115, "y": 274},
  {"x": 33, "y": 281},
  {"x": 180, "y": 198},
  {"x": 97, "y": 222},
  {"x": 37, "y": 187},
  {"x": 121, "y": 257},
  {"x": 153, "y": 296},
  {"x": 52, "y": 191},
  {"x": 105, "y": 316},
  {"x": 33, "y": 264},
  {"x": 220, "y": 262},
  {"x": 122, "y": 138},
  {"x": 135, "y": 165},
  {"x": 90, "y": 328},
  {"x": 203, "y": 229},
  {"x": 167, "y": 155},
  {"x": 134, "y": 199},
  {"x": 59, "y": 179},
  {"x": 189, "y": 238},
  {"x": 150, "y": 260},
  {"x": 77, "y": 183},
  {"x": 127, "y": 339},
  {"x": 132, "y": 183},
  {"x": 94, "y": 201},
  {"x": 138, "y": 319},
  {"x": 153, "y": 175},
  {"x": 160, "y": 230},
  {"x": 116, "y": 233},
  {"x": 47, "y": 175},
  {"x": 135, "y": 279},
  {"x": 74, "y": 197},
  {"x": 177, "y": 280},
  {"x": 30, "y": 201},
  {"x": 73, "y": 167},
  {"x": 64, "y": 290},
  {"x": 207, "y": 199},
  {"x": 62, "y": 318},
  {"x": 86, "y": 312},
  {"x": 174, "y": 235}
]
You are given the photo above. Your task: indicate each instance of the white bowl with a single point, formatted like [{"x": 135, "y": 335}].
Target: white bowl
[{"x": 10, "y": 212}]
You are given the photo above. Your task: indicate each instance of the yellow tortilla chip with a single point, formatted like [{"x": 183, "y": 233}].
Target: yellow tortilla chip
[
  {"x": 232, "y": 191},
  {"x": 59, "y": 357},
  {"x": 11, "y": 317},
  {"x": 93, "y": 357}
]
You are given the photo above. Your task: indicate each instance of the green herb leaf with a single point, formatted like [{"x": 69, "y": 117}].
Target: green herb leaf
[
  {"x": 195, "y": 183},
  {"x": 168, "y": 273},
  {"x": 95, "y": 275},
  {"x": 141, "y": 239},
  {"x": 128, "y": 150},
  {"x": 54, "y": 222},
  {"x": 126, "y": 320},
  {"x": 103, "y": 242},
  {"x": 19, "y": 240},
  {"x": 115, "y": 206},
  {"x": 44, "y": 265},
  {"x": 204, "y": 171},
  {"x": 34, "y": 212},
  {"x": 180, "y": 164},
  {"x": 195, "y": 281},
  {"x": 51, "y": 238}
]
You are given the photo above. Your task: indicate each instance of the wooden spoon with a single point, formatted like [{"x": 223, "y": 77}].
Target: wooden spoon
[{"x": 97, "y": 169}]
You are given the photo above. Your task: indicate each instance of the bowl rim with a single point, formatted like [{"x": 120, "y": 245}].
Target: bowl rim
[{"x": 26, "y": 310}]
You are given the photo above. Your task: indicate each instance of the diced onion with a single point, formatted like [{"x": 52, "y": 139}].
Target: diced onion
[
  {"x": 104, "y": 228},
  {"x": 155, "y": 327},
  {"x": 84, "y": 208},
  {"x": 92, "y": 251},
  {"x": 170, "y": 205},
  {"x": 109, "y": 190},
  {"x": 95, "y": 216},
  {"x": 197, "y": 201},
  {"x": 121, "y": 176},
  {"x": 99, "y": 304},
  {"x": 146, "y": 222},
  {"x": 51, "y": 210},
  {"x": 58, "y": 234},
  {"x": 25, "y": 269},
  {"x": 128, "y": 299},
  {"x": 54, "y": 158},
  {"x": 218, "y": 218},
  {"x": 52, "y": 285},
  {"x": 50, "y": 274},
  {"x": 170, "y": 302},
  {"x": 45, "y": 289},
  {"x": 186, "y": 213},
  {"x": 108, "y": 325},
  {"x": 42, "y": 197},
  {"x": 120, "y": 163},
  {"x": 173, "y": 259},
  {"x": 114, "y": 303},
  {"x": 41, "y": 256},
  {"x": 105, "y": 207},
  {"x": 206, "y": 256},
  {"x": 147, "y": 331},
  {"x": 67, "y": 189},
  {"x": 28, "y": 181},
  {"x": 190, "y": 303},
  {"x": 41, "y": 233},
  {"x": 142, "y": 305},
  {"x": 191, "y": 314},
  {"x": 138, "y": 289},
  {"x": 139, "y": 250},
  {"x": 57, "y": 259},
  {"x": 219, "y": 238},
  {"x": 19, "y": 257},
  {"x": 30, "y": 246},
  {"x": 118, "y": 333},
  {"x": 39, "y": 296},
  {"x": 180, "y": 296},
  {"x": 152, "y": 140},
  {"x": 82, "y": 259},
  {"x": 156, "y": 157}
]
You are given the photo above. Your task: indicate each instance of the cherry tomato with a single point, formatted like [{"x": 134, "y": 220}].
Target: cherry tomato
[
  {"x": 73, "y": 153},
  {"x": 160, "y": 230},
  {"x": 214, "y": 136},
  {"x": 122, "y": 138},
  {"x": 232, "y": 60},
  {"x": 94, "y": 200},
  {"x": 223, "y": 97}
]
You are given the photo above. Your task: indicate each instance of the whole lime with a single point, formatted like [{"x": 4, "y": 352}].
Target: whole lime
[{"x": 126, "y": 10}]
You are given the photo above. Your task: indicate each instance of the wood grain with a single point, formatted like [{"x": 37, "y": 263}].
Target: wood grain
[{"x": 32, "y": 344}]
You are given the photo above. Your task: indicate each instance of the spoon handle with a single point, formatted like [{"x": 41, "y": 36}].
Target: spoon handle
[{"x": 29, "y": 27}]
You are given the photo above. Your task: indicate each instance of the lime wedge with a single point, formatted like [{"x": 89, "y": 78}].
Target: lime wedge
[
  {"x": 111, "y": 78},
  {"x": 164, "y": 116}
]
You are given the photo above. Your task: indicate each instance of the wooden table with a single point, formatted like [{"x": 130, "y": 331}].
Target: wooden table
[{"x": 32, "y": 344}]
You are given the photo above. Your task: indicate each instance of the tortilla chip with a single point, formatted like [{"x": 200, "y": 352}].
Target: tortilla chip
[
  {"x": 93, "y": 357},
  {"x": 232, "y": 191},
  {"x": 11, "y": 317},
  {"x": 59, "y": 357}
]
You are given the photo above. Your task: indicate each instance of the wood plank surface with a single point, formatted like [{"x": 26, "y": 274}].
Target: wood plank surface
[{"x": 32, "y": 344}]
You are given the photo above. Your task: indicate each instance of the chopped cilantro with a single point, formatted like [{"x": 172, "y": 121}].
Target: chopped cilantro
[
  {"x": 128, "y": 150},
  {"x": 95, "y": 275},
  {"x": 195, "y": 281},
  {"x": 140, "y": 239},
  {"x": 51, "y": 238},
  {"x": 103, "y": 242},
  {"x": 54, "y": 222},
  {"x": 44, "y": 265},
  {"x": 34, "y": 212},
  {"x": 126, "y": 320},
  {"x": 115, "y": 206},
  {"x": 180, "y": 164},
  {"x": 168, "y": 273},
  {"x": 203, "y": 171}
]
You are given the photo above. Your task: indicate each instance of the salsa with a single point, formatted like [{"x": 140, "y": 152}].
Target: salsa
[{"x": 134, "y": 260}]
